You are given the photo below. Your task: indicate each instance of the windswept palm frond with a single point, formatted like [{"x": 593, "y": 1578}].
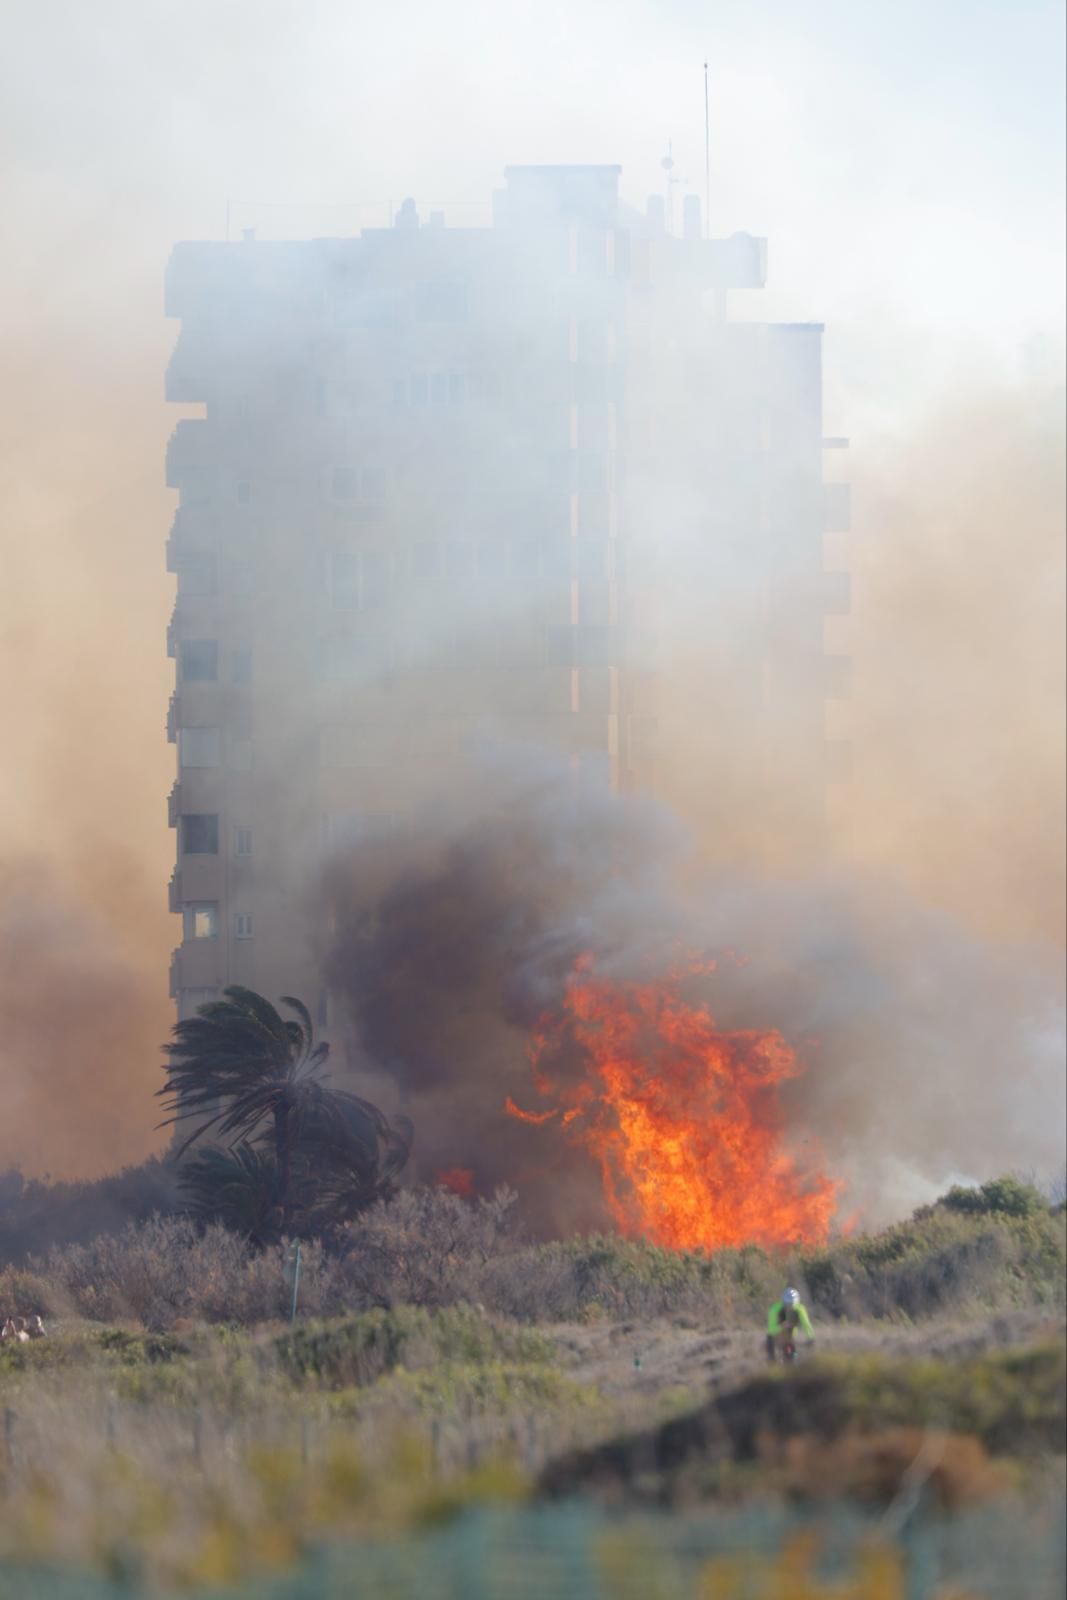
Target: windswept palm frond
[
  {"x": 235, "y": 1188},
  {"x": 304, "y": 1015},
  {"x": 254, "y": 1081}
]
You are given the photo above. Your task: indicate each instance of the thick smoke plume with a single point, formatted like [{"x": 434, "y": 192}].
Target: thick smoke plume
[
  {"x": 80, "y": 1021},
  {"x": 146, "y": 124},
  {"x": 927, "y": 1053}
]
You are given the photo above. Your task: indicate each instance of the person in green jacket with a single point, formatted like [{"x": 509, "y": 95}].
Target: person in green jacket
[{"x": 785, "y": 1317}]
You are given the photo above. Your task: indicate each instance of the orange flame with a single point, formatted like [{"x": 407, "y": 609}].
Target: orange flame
[
  {"x": 684, "y": 1121},
  {"x": 459, "y": 1179}
]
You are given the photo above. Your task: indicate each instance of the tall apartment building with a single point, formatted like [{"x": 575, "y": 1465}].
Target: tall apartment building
[{"x": 449, "y": 480}]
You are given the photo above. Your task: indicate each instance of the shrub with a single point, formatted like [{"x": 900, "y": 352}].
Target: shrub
[
  {"x": 427, "y": 1247},
  {"x": 35, "y": 1216},
  {"x": 1005, "y": 1197},
  {"x": 1006, "y": 1402},
  {"x": 360, "y": 1349},
  {"x": 434, "y": 1249}
]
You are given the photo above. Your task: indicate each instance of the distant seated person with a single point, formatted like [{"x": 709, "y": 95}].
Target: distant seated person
[{"x": 786, "y": 1316}]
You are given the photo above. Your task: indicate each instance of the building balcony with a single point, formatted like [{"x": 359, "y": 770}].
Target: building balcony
[
  {"x": 172, "y": 632},
  {"x": 175, "y": 973},
  {"x": 185, "y": 381},
  {"x": 174, "y": 805},
  {"x": 836, "y": 507},
  {"x": 172, "y": 718},
  {"x": 174, "y": 891},
  {"x": 187, "y": 451},
  {"x": 200, "y": 961},
  {"x": 836, "y": 594},
  {"x": 837, "y": 677},
  {"x": 837, "y": 760}
]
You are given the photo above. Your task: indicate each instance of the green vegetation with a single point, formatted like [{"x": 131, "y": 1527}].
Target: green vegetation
[
  {"x": 433, "y": 1249},
  {"x": 1001, "y": 1197},
  {"x": 217, "y": 1455},
  {"x": 777, "y": 1428},
  {"x": 1006, "y": 1250},
  {"x": 174, "y": 1430},
  {"x": 299, "y": 1158},
  {"x": 361, "y": 1349}
]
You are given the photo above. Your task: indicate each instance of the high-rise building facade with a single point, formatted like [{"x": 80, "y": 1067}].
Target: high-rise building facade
[{"x": 522, "y": 480}]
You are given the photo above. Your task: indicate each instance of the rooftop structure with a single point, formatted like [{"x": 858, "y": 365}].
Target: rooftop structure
[{"x": 450, "y": 481}]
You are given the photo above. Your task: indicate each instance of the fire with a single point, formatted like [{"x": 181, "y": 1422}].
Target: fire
[
  {"x": 459, "y": 1179},
  {"x": 684, "y": 1120}
]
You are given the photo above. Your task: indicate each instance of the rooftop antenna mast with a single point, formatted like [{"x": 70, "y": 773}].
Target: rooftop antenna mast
[
  {"x": 668, "y": 166},
  {"x": 707, "y": 159}
]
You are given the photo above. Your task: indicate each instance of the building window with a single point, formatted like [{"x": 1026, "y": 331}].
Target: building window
[
  {"x": 373, "y": 483},
  {"x": 492, "y": 559},
  {"x": 201, "y": 921},
  {"x": 443, "y": 300},
  {"x": 198, "y": 747},
  {"x": 242, "y": 568},
  {"x": 190, "y": 1000},
  {"x": 424, "y": 561},
  {"x": 458, "y": 559},
  {"x": 198, "y": 573},
  {"x": 242, "y": 925},
  {"x": 197, "y": 483},
  {"x": 344, "y": 830},
  {"x": 338, "y": 747},
  {"x": 242, "y": 841},
  {"x": 199, "y": 660},
  {"x": 241, "y": 667},
  {"x": 344, "y": 482},
  {"x": 375, "y": 578},
  {"x": 344, "y": 580},
  {"x": 200, "y": 833}
]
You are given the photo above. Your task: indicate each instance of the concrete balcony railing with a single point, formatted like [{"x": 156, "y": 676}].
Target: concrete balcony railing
[
  {"x": 172, "y": 718},
  {"x": 836, "y": 590},
  {"x": 187, "y": 371},
  {"x": 175, "y": 973},
  {"x": 837, "y": 760},
  {"x": 836, "y": 507},
  {"x": 187, "y": 448},
  {"x": 174, "y": 891},
  {"x": 174, "y": 805}
]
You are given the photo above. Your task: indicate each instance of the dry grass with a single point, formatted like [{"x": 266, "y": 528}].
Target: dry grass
[
  {"x": 431, "y": 1248},
  {"x": 205, "y": 1456},
  {"x": 172, "y": 1425}
]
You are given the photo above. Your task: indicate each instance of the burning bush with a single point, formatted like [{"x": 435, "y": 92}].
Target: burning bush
[{"x": 683, "y": 1119}]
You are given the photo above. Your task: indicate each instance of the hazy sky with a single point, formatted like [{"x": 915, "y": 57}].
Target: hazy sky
[{"x": 905, "y": 161}]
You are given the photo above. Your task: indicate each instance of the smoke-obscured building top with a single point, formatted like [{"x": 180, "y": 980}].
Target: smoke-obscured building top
[{"x": 525, "y": 483}]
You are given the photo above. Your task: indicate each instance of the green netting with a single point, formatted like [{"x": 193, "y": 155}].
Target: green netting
[{"x": 577, "y": 1553}]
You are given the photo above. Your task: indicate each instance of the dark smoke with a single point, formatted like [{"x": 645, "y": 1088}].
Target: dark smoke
[
  {"x": 928, "y": 1054},
  {"x": 455, "y": 934}
]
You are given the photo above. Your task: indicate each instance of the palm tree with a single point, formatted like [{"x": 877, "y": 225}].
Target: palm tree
[
  {"x": 234, "y": 1187},
  {"x": 256, "y": 1079}
]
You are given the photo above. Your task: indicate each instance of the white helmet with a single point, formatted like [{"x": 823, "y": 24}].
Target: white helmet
[{"x": 790, "y": 1298}]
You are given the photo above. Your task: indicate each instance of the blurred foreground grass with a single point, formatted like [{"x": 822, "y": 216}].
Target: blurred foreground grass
[{"x": 416, "y": 1444}]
